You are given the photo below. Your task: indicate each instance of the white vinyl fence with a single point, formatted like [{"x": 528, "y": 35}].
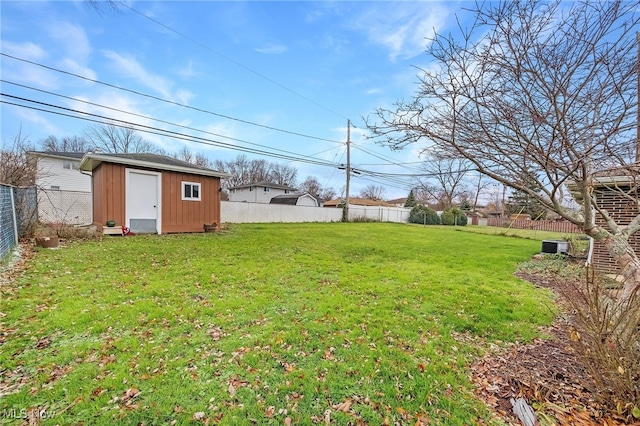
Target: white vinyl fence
[
  {"x": 239, "y": 212},
  {"x": 379, "y": 214}
]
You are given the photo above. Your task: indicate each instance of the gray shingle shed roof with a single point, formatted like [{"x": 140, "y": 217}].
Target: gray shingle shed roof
[{"x": 153, "y": 161}]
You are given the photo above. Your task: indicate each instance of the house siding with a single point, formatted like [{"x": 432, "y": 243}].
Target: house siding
[
  {"x": 257, "y": 194},
  {"x": 51, "y": 173},
  {"x": 623, "y": 211}
]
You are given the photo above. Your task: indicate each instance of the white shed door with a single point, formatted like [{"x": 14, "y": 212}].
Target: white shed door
[{"x": 142, "y": 202}]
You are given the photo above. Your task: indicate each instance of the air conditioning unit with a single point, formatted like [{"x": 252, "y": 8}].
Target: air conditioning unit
[{"x": 555, "y": 247}]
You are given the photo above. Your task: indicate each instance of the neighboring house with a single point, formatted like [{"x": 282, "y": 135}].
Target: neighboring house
[
  {"x": 295, "y": 200},
  {"x": 259, "y": 192},
  {"x": 339, "y": 202},
  {"x": 64, "y": 193},
  {"x": 398, "y": 202},
  {"x": 150, "y": 193}
]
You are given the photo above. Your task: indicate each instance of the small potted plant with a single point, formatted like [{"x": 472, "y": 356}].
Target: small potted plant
[{"x": 111, "y": 223}]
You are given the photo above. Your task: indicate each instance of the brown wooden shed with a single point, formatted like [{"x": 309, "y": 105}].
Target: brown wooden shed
[{"x": 150, "y": 193}]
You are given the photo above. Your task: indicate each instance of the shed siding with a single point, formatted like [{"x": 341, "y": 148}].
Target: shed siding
[
  {"x": 177, "y": 215},
  {"x": 189, "y": 216},
  {"x": 623, "y": 211},
  {"x": 108, "y": 194}
]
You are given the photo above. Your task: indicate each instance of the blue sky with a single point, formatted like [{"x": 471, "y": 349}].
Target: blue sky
[{"x": 303, "y": 67}]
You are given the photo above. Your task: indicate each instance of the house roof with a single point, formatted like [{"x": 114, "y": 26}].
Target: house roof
[
  {"x": 58, "y": 154},
  {"x": 398, "y": 200},
  {"x": 628, "y": 173},
  {"x": 264, "y": 183},
  {"x": 153, "y": 161},
  {"x": 357, "y": 202},
  {"x": 290, "y": 199}
]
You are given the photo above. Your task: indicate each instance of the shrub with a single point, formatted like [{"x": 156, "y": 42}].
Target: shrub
[
  {"x": 454, "y": 216},
  {"x": 424, "y": 215},
  {"x": 606, "y": 335}
]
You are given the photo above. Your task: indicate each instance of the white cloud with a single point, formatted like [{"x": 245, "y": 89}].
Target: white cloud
[
  {"x": 21, "y": 72},
  {"x": 37, "y": 120},
  {"x": 373, "y": 91},
  {"x": 187, "y": 71},
  {"x": 26, "y": 50},
  {"x": 131, "y": 68},
  {"x": 272, "y": 49},
  {"x": 72, "y": 39},
  {"x": 71, "y": 65},
  {"x": 401, "y": 27}
]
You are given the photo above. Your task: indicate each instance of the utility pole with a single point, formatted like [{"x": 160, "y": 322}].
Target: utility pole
[
  {"x": 638, "y": 118},
  {"x": 346, "y": 205}
]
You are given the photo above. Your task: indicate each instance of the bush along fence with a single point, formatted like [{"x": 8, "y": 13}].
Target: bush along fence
[{"x": 18, "y": 214}]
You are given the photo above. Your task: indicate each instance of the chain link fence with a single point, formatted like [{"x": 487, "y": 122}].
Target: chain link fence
[
  {"x": 18, "y": 214},
  {"x": 64, "y": 207}
]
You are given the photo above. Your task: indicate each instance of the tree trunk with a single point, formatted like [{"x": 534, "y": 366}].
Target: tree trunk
[{"x": 628, "y": 262}]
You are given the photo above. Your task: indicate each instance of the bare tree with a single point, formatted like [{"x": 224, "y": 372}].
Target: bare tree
[
  {"x": 104, "y": 6},
  {"x": 66, "y": 144},
  {"x": 197, "y": 159},
  {"x": 283, "y": 174},
  {"x": 373, "y": 192},
  {"x": 312, "y": 186},
  {"x": 245, "y": 171},
  {"x": 184, "y": 154},
  {"x": 119, "y": 140},
  {"x": 202, "y": 160},
  {"x": 426, "y": 193},
  {"x": 479, "y": 185},
  {"x": 448, "y": 174},
  {"x": 537, "y": 88},
  {"x": 15, "y": 169}
]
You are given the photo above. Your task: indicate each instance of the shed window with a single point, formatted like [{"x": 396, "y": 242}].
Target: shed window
[
  {"x": 55, "y": 187},
  {"x": 191, "y": 191},
  {"x": 286, "y": 191},
  {"x": 266, "y": 189}
]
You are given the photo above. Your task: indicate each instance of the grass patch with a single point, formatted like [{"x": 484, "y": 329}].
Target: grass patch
[
  {"x": 530, "y": 234},
  {"x": 347, "y": 321}
]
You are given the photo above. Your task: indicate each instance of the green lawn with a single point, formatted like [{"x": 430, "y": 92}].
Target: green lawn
[{"x": 358, "y": 323}]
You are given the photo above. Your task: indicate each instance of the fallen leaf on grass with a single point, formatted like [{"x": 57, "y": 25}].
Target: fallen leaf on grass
[
  {"x": 343, "y": 406},
  {"x": 270, "y": 411},
  {"x": 198, "y": 416}
]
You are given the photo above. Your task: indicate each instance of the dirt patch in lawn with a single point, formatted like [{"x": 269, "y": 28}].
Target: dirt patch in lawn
[{"x": 547, "y": 373}]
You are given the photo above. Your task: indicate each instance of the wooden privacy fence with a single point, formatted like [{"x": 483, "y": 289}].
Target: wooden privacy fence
[{"x": 539, "y": 225}]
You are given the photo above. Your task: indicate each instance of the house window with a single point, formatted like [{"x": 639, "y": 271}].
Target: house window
[
  {"x": 55, "y": 188},
  {"x": 286, "y": 191},
  {"x": 191, "y": 191},
  {"x": 70, "y": 165},
  {"x": 266, "y": 189}
]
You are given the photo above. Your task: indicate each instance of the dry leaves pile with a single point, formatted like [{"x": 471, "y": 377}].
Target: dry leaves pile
[{"x": 546, "y": 373}]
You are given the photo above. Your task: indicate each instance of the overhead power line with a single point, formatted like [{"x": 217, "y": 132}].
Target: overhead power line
[
  {"x": 146, "y": 95},
  {"x": 204, "y": 46},
  {"x": 69, "y": 112},
  {"x": 150, "y": 118}
]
